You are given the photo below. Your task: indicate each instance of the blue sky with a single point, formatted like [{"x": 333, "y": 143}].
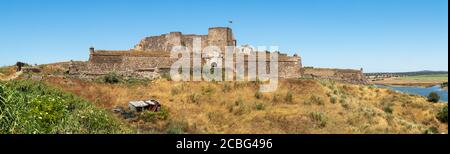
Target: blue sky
[{"x": 378, "y": 35}]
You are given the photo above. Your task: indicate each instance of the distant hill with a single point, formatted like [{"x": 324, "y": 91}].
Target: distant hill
[{"x": 424, "y": 72}]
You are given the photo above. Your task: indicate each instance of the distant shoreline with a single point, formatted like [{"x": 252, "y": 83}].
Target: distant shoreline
[
  {"x": 417, "y": 84},
  {"x": 414, "y": 80}
]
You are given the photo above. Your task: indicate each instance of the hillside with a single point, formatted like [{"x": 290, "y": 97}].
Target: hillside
[
  {"x": 298, "y": 106},
  {"x": 415, "y": 80},
  {"x": 31, "y": 107}
]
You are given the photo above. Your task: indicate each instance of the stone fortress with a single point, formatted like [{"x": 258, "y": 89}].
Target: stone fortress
[{"x": 151, "y": 58}]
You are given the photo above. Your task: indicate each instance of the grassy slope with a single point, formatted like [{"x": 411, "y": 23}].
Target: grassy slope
[
  {"x": 417, "y": 80},
  {"x": 6, "y": 71},
  {"x": 434, "y": 77},
  {"x": 298, "y": 106},
  {"x": 30, "y": 107}
]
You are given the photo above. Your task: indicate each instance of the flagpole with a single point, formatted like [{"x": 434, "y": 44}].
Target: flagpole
[{"x": 230, "y": 22}]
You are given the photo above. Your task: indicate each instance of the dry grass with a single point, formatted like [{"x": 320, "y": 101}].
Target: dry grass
[
  {"x": 232, "y": 107},
  {"x": 7, "y": 71},
  {"x": 419, "y": 80}
]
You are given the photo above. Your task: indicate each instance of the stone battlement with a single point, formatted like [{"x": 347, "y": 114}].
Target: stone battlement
[{"x": 217, "y": 36}]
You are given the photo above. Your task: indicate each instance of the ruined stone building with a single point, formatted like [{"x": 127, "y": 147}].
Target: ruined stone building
[
  {"x": 151, "y": 58},
  {"x": 217, "y": 36}
]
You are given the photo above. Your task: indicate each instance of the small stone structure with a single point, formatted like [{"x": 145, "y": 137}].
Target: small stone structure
[{"x": 150, "y": 105}]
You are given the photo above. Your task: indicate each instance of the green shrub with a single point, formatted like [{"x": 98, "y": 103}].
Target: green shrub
[
  {"x": 431, "y": 130},
  {"x": 260, "y": 106},
  {"x": 336, "y": 92},
  {"x": 387, "y": 107},
  {"x": 289, "y": 97},
  {"x": 258, "y": 95},
  {"x": 178, "y": 89},
  {"x": 314, "y": 100},
  {"x": 151, "y": 116},
  {"x": 136, "y": 81},
  {"x": 166, "y": 76},
  {"x": 333, "y": 99},
  {"x": 208, "y": 90},
  {"x": 319, "y": 118},
  {"x": 344, "y": 103},
  {"x": 239, "y": 107},
  {"x": 434, "y": 97},
  {"x": 177, "y": 127},
  {"x": 443, "y": 115},
  {"x": 445, "y": 84},
  {"x": 194, "y": 98},
  {"x": 111, "y": 78}
]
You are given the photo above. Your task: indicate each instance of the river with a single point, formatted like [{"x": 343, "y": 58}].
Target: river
[{"x": 424, "y": 91}]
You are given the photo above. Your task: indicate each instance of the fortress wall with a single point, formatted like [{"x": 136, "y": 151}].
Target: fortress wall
[
  {"x": 188, "y": 40},
  {"x": 288, "y": 67},
  {"x": 289, "y": 70},
  {"x": 133, "y": 63},
  {"x": 106, "y": 59},
  {"x": 319, "y": 72},
  {"x": 166, "y": 42},
  {"x": 127, "y": 63},
  {"x": 344, "y": 75},
  {"x": 154, "y": 43}
]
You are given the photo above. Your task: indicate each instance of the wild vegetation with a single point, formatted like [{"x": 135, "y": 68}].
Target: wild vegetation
[
  {"x": 298, "y": 106},
  {"x": 6, "y": 71},
  {"x": 431, "y": 77},
  {"x": 434, "y": 97},
  {"x": 425, "y": 80},
  {"x": 68, "y": 105},
  {"x": 31, "y": 107},
  {"x": 443, "y": 114}
]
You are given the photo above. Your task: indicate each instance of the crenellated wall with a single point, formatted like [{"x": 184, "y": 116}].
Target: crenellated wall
[
  {"x": 217, "y": 36},
  {"x": 127, "y": 63}
]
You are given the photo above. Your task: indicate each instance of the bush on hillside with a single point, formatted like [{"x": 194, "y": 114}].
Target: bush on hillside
[
  {"x": 111, "y": 78},
  {"x": 289, "y": 97},
  {"x": 443, "y": 114},
  {"x": 434, "y": 97},
  {"x": 30, "y": 107}
]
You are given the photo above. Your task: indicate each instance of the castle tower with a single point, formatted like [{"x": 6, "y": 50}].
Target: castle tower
[
  {"x": 221, "y": 37},
  {"x": 91, "y": 50},
  {"x": 173, "y": 39},
  {"x": 91, "y": 53}
]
